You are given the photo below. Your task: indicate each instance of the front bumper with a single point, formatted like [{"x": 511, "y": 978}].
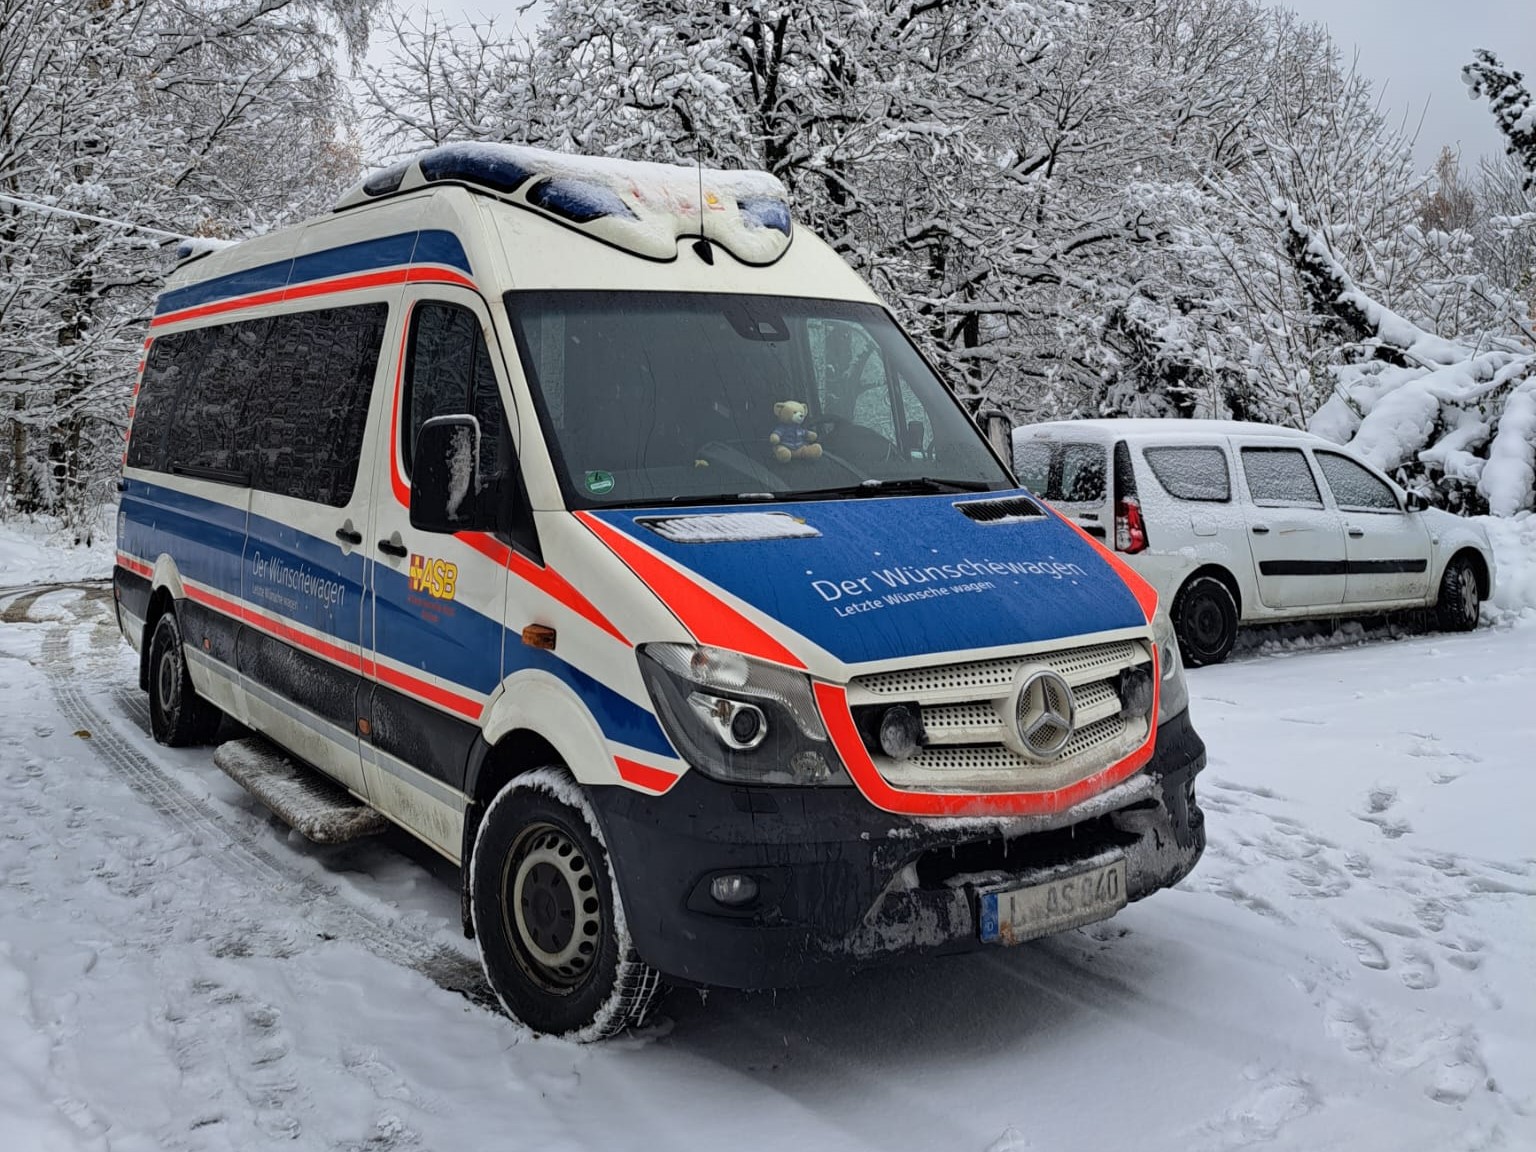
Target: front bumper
[{"x": 844, "y": 885}]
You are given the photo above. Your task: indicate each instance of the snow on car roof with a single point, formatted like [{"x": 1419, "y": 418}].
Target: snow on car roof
[
  {"x": 642, "y": 207},
  {"x": 1173, "y": 427}
]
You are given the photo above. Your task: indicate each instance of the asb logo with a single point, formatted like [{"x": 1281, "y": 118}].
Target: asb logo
[{"x": 436, "y": 577}]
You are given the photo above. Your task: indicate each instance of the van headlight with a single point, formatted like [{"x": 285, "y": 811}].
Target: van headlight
[
  {"x": 737, "y": 719},
  {"x": 1174, "y": 696}
]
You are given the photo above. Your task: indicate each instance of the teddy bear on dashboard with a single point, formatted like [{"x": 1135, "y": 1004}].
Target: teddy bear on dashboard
[{"x": 791, "y": 439}]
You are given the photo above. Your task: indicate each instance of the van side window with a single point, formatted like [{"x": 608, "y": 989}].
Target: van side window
[
  {"x": 209, "y": 421},
  {"x": 308, "y": 403},
  {"x": 1280, "y": 476},
  {"x": 173, "y": 359},
  {"x": 1191, "y": 473},
  {"x": 450, "y": 372},
  {"x": 1353, "y": 486}
]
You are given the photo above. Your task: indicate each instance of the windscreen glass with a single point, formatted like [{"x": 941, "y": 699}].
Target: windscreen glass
[{"x": 689, "y": 397}]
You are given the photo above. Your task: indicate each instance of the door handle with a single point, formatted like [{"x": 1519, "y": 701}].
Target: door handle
[
  {"x": 394, "y": 548},
  {"x": 349, "y": 535},
  {"x": 1261, "y": 529},
  {"x": 1356, "y": 532}
]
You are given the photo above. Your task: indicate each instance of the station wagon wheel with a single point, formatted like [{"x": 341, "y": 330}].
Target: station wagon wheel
[
  {"x": 1205, "y": 619},
  {"x": 178, "y": 716},
  {"x": 1460, "y": 602},
  {"x": 548, "y": 917}
]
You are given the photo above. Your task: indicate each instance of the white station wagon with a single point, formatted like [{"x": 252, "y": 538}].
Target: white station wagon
[{"x": 1239, "y": 523}]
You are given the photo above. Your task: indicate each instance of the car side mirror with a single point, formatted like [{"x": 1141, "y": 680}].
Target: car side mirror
[
  {"x": 445, "y": 480},
  {"x": 1415, "y": 503}
]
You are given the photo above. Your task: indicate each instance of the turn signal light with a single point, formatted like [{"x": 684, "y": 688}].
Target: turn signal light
[{"x": 539, "y": 636}]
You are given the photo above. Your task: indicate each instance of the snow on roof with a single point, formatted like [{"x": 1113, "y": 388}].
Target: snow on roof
[
  {"x": 642, "y": 207},
  {"x": 1172, "y": 427}
]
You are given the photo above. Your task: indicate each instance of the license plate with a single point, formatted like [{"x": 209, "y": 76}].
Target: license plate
[{"x": 1014, "y": 915}]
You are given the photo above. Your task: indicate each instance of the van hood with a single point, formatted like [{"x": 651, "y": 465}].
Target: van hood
[{"x": 881, "y": 578}]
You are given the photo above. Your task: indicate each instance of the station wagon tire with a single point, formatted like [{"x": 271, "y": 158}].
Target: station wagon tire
[
  {"x": 1460, "y": 603},
  {"x": 1205, "y": 619},
  {"x": 547, "y": 915},
  {"x": 178, "y": 716}
]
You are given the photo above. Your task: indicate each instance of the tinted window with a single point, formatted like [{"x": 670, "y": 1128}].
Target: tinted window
[
  {"x": 308, "y": 409},
  {"x": 1354, "y": 486},
  {"x": 1191, "y": 473},
  {"x": 1064, "y": 473},
  {"x": 450, "y": 373},
  {"x": 1280, "y": 476},
  {"x": 173, "y": 360},
  {"x": 210, "y": 414}
]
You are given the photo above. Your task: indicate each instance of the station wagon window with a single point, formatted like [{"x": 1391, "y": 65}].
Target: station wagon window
[
  {"x": 1354, "y": 487},
  {"x": 1191, "y": 473},
  {"x": 1064, "y": 473},
  {"x": 307, "y": 416},
  {"x": 450, "y": 372},
  {"x": 1280, "y": 476}
]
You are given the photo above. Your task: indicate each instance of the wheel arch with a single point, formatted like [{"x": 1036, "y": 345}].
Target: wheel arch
[
  {"x": 1480, "y": 570},
  {"x": 1219, "y": 572}
]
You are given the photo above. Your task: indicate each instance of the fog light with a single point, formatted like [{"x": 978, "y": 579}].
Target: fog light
[
  {"x": 901, "y": 731},
  {"x": 734, "y": 890},
  {"x": 1136, "y": 692}
]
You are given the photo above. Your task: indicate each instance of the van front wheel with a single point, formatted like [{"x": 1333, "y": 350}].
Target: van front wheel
[
  {"x": 548, "y": 917},
  {"x": 178, "y": 716},
  {"x": 1205, "y": 618}
]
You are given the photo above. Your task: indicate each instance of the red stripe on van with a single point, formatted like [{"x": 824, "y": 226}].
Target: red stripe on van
[
  {"x": 838, "y": 717},
  {"x": 353, "y": 661},
  {"x": 656, "y": 780},
  {"x": 136, "y": 566},
  {"x": 316, "y": 288},
  {"x": 711, "y": 620},
  {"x": 1145, "y": 594}
]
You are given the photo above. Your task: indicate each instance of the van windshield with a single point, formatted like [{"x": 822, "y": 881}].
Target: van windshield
[{"x": 666, "y": 397}]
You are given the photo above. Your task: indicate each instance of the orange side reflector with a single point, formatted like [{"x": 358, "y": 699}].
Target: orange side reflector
[
  {"x": 363, "y": 726},
  {"x": 539, "y": 636}
]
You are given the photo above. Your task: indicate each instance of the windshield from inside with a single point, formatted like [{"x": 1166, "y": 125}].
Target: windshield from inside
[{"x": 669, "y": 397}]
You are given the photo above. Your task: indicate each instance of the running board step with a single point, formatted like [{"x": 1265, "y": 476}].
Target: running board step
[{"x": 300, "y": 796}]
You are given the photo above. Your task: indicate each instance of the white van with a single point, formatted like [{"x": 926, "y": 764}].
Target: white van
[
  {"x": 598, "y": 526},
  {"x": 1237, "y": 523}
]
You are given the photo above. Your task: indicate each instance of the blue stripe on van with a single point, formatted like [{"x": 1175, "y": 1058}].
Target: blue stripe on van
[
  {"x": 208, "y": 539},
  {"x": 429, "y": 246}
]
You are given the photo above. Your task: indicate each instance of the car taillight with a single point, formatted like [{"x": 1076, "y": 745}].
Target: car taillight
[{"x": 1130, "y": 532}]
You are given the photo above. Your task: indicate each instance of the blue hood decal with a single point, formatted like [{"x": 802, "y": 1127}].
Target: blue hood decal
[{"x": 906, "y": 576}]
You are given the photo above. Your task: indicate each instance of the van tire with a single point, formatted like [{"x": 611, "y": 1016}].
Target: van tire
[
  {"x": 178, "y": 716},
  {"x": 547, "y": 914},
  {"x": 1459, "y": 604},
  {"x": 1205, "y": 619}
]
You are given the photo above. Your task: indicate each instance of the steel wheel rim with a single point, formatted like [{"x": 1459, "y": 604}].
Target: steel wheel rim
[
  {"x": 550, "y": 907},
  {"x": 166, "y": 680},
  {"x": 1207, "y": 624}
]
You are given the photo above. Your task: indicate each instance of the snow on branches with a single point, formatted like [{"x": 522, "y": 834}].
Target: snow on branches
[
  {"x": 1510, "y": 101},
  {"x": 1417, "y": 404}
]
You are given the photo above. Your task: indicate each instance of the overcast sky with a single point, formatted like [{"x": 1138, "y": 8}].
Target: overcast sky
[{"x": 1412, "y": 50}]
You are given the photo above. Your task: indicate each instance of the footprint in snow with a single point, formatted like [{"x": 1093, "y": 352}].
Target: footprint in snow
[
  {"x": 1366, "y": 949},
  {"x": 1417, "y": 970},
  {"x": 1012, "y": 1140},
  {"x": 1381, "y": 798}
]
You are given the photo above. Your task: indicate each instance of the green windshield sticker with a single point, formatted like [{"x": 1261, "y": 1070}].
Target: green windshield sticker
[{"x": 599, "y": 483}]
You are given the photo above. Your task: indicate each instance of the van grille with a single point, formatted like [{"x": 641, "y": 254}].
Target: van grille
[{"x": 968, "y": 715}]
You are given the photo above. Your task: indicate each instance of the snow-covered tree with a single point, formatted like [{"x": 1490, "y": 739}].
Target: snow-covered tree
[{"x": 195, "y": 117}]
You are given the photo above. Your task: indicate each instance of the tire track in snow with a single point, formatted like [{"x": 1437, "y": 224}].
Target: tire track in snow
[{"x": 237, "y": 852}]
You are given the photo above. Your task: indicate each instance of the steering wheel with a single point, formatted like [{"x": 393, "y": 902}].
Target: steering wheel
[{"x": 855, "y": 441}]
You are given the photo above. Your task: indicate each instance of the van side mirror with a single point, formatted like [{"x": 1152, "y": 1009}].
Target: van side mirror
[
  {"x": 999, "y": 430},
  {"x": 1415, "y": 503},
  {"x": 445, "y": 481}
]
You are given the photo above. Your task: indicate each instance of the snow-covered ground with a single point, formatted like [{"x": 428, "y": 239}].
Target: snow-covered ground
[{"x": 1350, "y": 966}]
